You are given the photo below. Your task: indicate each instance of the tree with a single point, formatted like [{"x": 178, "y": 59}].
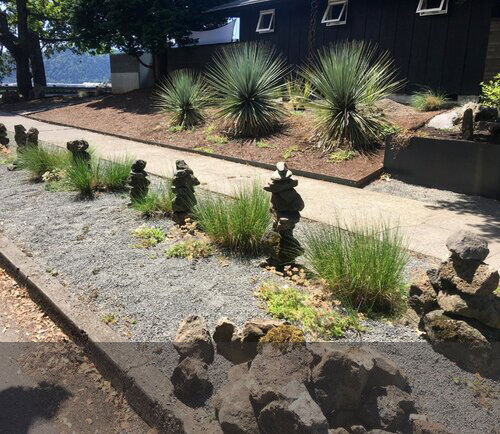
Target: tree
[
  {"x": 139, "y": 26},
  {"x": 28, "y": 30}
]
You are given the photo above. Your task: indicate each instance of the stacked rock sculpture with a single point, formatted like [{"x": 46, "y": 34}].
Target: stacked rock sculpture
[
  {"x": 4, "y": 140},
  {"x": 20, "y": 137},
  {"x": 183, "y": 185},
  {"x": 78, "y": 149},
  {"x": 32, "y": 137},
  {"x": 280, "y": 243},
  {"x": 139, "y": 184}
]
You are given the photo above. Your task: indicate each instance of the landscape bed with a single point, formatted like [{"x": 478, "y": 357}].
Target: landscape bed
[{"x": 88, "y": 246}]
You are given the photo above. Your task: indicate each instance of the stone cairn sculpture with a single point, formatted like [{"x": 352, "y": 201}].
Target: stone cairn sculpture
[
  {"x": 468, "y": 125},
  {"x": 459, "y": 306},
  {"x": 138, "y": 181},
  {"x": 20, "y": 137},
  {"x": 32, "y": 137},
  {"x": 280, "y": 243},
  {"x": 183, "y": 185},
  {"x": 4, "y": 140},
  {"x": 78, "y": 149}
]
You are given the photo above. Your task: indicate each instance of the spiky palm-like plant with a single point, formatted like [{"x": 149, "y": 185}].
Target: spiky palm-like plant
[
  {"x": 184, "y": 96},
  {"x": 347, "y": 80},
  {"x": 246, "y": 81}
]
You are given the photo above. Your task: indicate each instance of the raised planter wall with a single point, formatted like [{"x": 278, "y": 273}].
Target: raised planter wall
[{"x": 456, "y": 165}]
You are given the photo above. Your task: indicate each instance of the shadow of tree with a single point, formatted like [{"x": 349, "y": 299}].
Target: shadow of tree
[
  {"x": 23, "y": 406},
  {"x": 138, "y": 102},
  {"x": 488, "y": 209}
]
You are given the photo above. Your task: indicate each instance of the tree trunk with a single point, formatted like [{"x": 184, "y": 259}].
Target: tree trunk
[
  {"x": 23, "y": 52},
  {"x": 36, "y": 59}
]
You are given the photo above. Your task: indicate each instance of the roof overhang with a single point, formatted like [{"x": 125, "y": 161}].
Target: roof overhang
[{"x": 237, "y": 4}]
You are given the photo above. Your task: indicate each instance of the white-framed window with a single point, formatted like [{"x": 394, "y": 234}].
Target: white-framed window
[
  {"x": 336, "y": 13},
  {"x": 432, "y": 7},
  {"x": 266, "y": 21}
]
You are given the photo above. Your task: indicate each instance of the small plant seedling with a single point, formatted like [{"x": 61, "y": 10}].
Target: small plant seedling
[
  {"x": 206, "y": 149},
  {"x": 175, "y": 129},
  {"x": 210, "y": 129},
  {"x": 52, "y": 272},
  {"x": 109, "y": 319},
  {"x": 148, "y": 236},
  {"x": 263, "y": 145},
  {"x": 217, "y": 139},
  {"x": 190, "y": 249},
  {"x": 290, "y": 152},
  {"x": 341, "y": 155}
]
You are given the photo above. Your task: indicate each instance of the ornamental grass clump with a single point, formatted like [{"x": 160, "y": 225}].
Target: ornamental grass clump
[
  {"x": 113, "y": 175},
  {"x": 158, "y": 202},
  {"x": 39, "y": 160},
  {"x": 246, "y": 82},
  {"x": 184, "y": 96},
  {"x": 347, "y": 80},
  {"x": 237, "y": 224},
  {"x": 362, "y": 265},
  {"x": 429, "y": 100},
  {"x": 83, "y": 176}
]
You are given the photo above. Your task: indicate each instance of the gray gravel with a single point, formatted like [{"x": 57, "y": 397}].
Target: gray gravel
[{"x": 88, "y": 246}]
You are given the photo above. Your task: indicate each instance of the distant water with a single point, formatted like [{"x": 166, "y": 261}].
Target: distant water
[{"x": 86, "y": 84}]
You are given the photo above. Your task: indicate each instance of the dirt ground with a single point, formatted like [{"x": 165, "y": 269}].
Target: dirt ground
[
  {"x": 56, "y": 387},
  {"x": 135, "y": 116}
]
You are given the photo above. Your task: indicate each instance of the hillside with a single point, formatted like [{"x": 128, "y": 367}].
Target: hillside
[{"x": 69, "y": 68}]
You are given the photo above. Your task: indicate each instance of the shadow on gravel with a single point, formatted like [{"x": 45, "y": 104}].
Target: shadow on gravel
[{"x": 21, "y": 407}]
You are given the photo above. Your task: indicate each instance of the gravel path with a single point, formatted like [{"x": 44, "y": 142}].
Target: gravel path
[{"x": 88, "y": 246}]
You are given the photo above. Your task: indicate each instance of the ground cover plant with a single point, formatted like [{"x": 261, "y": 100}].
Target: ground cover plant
[
  {"x": 236, "y": 224},
  {"x": 429, "y": 100},
  {"x": 190, "y": 249},
  {"x": 296, "y": 306},
  {"x": 245, "y": 82},
  {"x": 347, "y": 80},
  {"x": 158, "y": 201},
  {"x": 184, "y": 96},
  {"x": 39, "y": 160},
  {"x": 362, "y": 266},
  {"x": 148, "y": 236}
]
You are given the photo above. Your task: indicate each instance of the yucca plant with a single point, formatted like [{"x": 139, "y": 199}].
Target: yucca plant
[
  {"x": 184, "y": 96},
  {"x": 362, "y": 264},
  {"x": 347, "y": 79},
  {"x": 247, "y": 81},
  {"x": 236, "y": 224},
  {"x": 428, "y": 100},
  {"x": 39, "y": 160}
]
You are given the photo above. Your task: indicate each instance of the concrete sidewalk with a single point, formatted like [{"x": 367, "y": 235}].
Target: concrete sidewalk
[{"x": 426, "y": 226}]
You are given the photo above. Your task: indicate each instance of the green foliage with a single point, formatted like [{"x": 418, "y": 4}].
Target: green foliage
[
  {"x": 283, "y": 334},
  {"x": 148, "y": 236},
  {"x": 342, "y": 155},
  {"x": 190, "y": 249},
  {"x": 84, "y": 177},
  {"x": 263, "y": 145},
  {"x": 290, "y": 152},
  {"x": 428, "y": 100},
  {"x": 347, "y": 79},
  {"x": 490, "y": 95},
  {"x": 218, "y": 140},
  {"x": 113, "y": 175},
  {"x": 183, "y": 95},
  {"x": 39, "y": 160},
  {"x": 236, "y": 224},
  {"x": 158, "y": 202},
  {"x": 246, "y": 81},
  {"x": 299, "y": 92},
  {"x": 362, "y": 266},
  {"x": 296, "y": 307}
]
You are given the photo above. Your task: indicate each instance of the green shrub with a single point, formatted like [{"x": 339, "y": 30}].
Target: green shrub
[
  {"x": 490, "y": 95},
  {"x": 148, "y": 236},
  {"x": 84, "y": 177},
  {"x": 246, "y": 81},
  {"x": 299, "y": 92},
  {"x": 429, "y": 100},
  {"x": 158, "y": 202},
  {"x": 190, "y": 249},
  {"x": 39, "y": 160},
  {"x": 296, "y": 307},
  {"x": 236, "y": 224},
  {"x": 362, "y": 266},
  {"x": 113, "y": 175},
  {"x": 184, "y": 96},
  {"x": 347, "y": 80}
]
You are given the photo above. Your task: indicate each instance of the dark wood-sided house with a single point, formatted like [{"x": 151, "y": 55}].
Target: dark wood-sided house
[{"x": 448, "y": 45}]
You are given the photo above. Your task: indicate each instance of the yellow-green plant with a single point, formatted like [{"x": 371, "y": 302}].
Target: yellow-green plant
[{"x": 490, "y": 95}]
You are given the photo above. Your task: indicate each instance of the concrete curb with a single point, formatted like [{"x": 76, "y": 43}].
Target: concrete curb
[
  {"x": 148, "y": 391},
  {"x": 360, "y": 183}
]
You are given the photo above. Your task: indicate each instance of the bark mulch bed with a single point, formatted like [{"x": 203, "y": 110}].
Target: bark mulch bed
[{"x": 133, "y": 115}]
